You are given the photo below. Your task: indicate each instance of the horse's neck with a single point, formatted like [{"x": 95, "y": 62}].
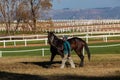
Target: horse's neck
[
  {"x": 57, "y": 41},
  {"x": 55, "y": 37}
]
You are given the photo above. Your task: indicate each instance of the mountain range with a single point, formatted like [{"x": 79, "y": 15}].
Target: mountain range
[{"x": 93, "y": 13}]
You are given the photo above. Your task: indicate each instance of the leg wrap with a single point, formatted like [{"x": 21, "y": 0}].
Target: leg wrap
[
  {"x": 71, "y": 62},
  {"x": 64, "y": 61}
]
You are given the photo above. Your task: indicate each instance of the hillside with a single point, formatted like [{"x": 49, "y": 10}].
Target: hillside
[{"x": 94, "y": 13}]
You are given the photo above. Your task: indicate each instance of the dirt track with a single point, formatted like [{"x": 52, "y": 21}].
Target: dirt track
[{"x": 101, "y": 67}]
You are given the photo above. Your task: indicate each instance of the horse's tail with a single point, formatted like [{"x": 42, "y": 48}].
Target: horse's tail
[{"x": 87, "y": 50}]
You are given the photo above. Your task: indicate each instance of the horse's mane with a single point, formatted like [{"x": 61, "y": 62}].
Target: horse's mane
[{"x": 56, "y": 38}]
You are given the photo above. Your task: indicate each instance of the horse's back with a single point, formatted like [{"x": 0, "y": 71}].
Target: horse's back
[
  {"x": 76, "y": 39},
  {"x": 76, "y": 42}
]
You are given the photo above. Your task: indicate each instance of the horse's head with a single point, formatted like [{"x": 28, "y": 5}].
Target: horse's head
[
  {"x": 50, "y": 37},
  {"x": 55, "y": 41}
]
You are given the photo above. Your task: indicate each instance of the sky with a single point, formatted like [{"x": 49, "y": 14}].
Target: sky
[{"x": 83, "y": 4}]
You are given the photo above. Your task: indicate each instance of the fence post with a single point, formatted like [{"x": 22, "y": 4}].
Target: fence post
[
  {"x": 25, "y": 42},
  {"x": 106, "y": 39},
  {"x": 10, "y": 37},
  {"x": 43, "y": 52},
  {"x": 87, "y": 37},
  {"x": 45, "y": 41},
  {"x": 23, "y": 36},
  {"x": 37, "y": 36},
  {"x": 14, "y": 43},
  {"x": 4, "y": 43},
  {"x": 0, "y": 54}
]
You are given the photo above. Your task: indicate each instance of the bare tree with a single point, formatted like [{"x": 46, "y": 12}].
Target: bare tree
[
  {"x": 7, "y": 8},
  {"x": 35, "y": 7},
  {"x": 22, "y": 14},
  {"x": 27, "y": 11}
]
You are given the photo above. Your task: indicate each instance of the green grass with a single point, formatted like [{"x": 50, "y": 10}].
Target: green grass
[
  {"x": 103, "y": 43},
  {"x": 105, "y": 50},
  {"x": 113, "y": 38}
]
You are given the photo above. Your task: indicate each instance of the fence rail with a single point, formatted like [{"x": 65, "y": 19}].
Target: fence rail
[
  {"x": 25, "y": 41},
  {"x": 44, "y": 49},
  {"x": 67, "y": 23},
  {"x": 23, "y": 37}
]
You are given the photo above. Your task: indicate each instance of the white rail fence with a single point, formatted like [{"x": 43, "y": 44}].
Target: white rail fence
[
  {"x": 42, "y": 49},
  {"x": 23, "y": 37},
  {"x": 25, "y": 41},
  {"x": 104, "y": 37},
  {"x": 61, "y": 26},
  {"x": 77, "y": 25},
  {"x": 87, "y": 37},
  {"x": 45, "y": 49}
]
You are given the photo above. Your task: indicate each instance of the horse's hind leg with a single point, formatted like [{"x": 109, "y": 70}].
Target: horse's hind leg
[
  {"x": 82, "y": 59},
  {"x": 80, "y": 54}
]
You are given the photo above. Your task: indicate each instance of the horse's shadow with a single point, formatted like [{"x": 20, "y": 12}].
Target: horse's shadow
[{"x": 44, "y": 64}]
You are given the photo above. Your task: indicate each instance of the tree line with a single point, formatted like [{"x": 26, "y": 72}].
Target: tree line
[{"x": 26, "y": 12}]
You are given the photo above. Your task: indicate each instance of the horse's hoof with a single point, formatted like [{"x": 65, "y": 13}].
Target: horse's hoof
[{"x": 81, "y": 65}]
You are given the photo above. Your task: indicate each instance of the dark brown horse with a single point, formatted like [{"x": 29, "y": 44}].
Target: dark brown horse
[{"x": 77, "y": 44}]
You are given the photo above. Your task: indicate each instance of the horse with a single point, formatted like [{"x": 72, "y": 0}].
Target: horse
[{"x": 77, "y": 44}]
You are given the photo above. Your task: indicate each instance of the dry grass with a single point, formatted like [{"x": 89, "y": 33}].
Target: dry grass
[{"x": 101, "y": 67}]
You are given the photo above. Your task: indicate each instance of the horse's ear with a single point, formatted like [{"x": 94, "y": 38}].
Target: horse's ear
[{"x": 50, "y": 32}]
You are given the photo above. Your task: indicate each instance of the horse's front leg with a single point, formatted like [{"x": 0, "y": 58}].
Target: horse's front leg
[
  {"x": 52, "y": 57},
  {"x": 53, "y": 51}
]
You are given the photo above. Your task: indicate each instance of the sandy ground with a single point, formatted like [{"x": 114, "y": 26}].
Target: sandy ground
[{"x": 101, "y": 67}]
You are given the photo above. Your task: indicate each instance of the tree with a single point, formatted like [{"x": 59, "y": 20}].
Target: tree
[
  {"x": 35, "y": 7},
  {"x": 22, "y": 14},
  {"x": 27, "y": 11},
  {"x": 7, "y": 8}
]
